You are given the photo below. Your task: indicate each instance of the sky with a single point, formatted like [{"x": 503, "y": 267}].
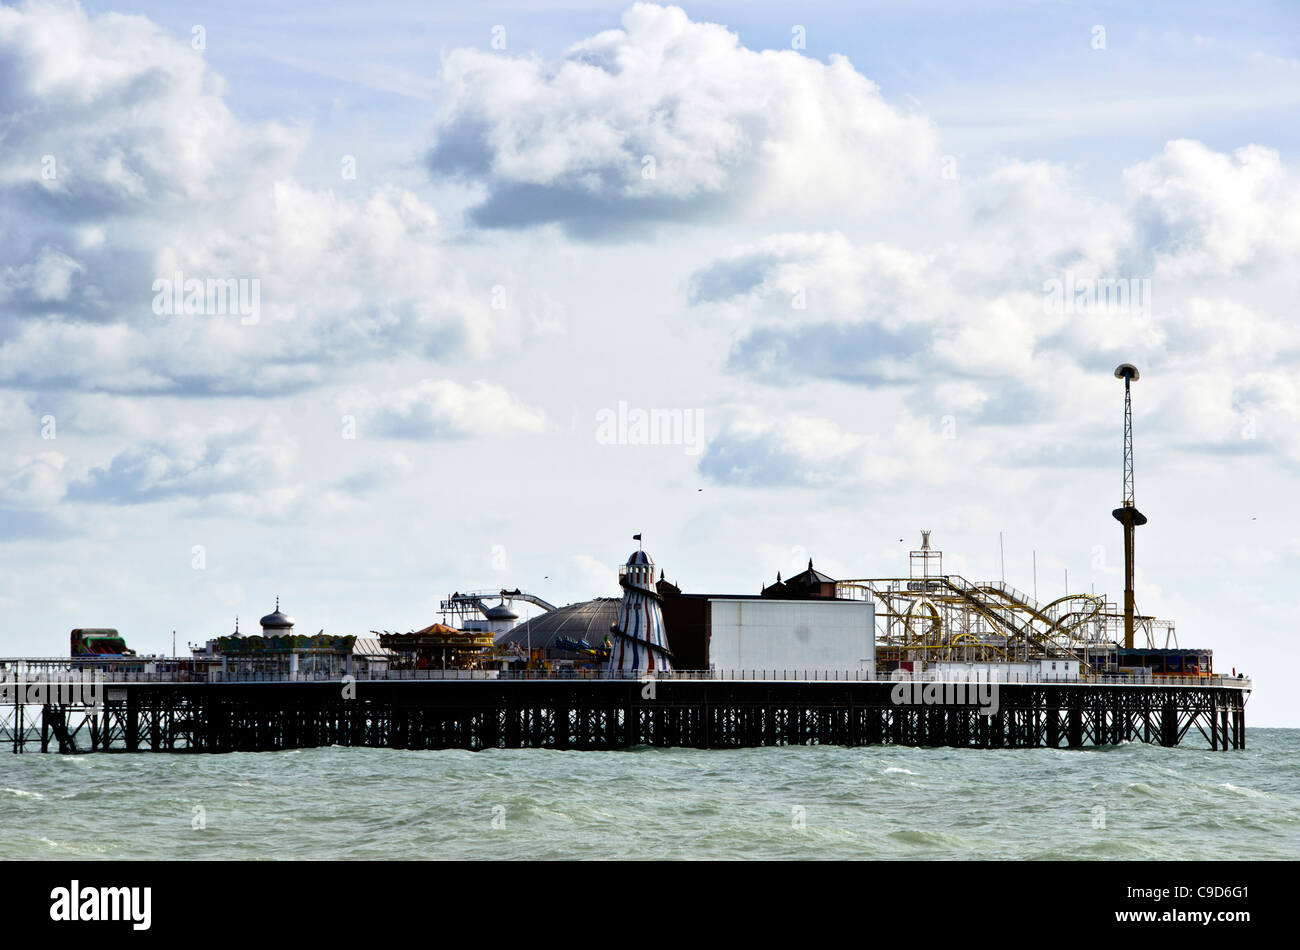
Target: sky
[{"x": 483, "y": 290}]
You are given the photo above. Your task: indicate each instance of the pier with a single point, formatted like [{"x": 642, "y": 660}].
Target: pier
[{"x": 163, "y": 712}]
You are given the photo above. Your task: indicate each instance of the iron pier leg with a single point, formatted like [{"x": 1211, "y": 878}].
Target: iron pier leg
[{"x": 1169, "y": 723}]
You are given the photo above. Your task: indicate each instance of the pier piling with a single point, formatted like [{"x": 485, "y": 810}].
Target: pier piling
[{"x": 610, "y": 714}]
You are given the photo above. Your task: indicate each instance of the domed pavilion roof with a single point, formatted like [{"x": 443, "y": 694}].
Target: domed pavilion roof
[
  {"x": 589, "y": 620},
  {"x": 277, "y": 620}
]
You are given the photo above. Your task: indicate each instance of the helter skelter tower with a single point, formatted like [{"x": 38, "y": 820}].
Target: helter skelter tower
[
  {"x": 639, "y": 644},
  {"x": 1127, "y": 514}
]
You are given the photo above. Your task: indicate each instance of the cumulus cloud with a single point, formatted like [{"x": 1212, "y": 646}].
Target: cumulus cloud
[
  {"x": 378, "y": 472},
  {"x": 193, "y": 462},
  {"x": 44, "y": 280},
  {"x": 31, "y": 483},
  {"x": 782, "y": 268},
  {"x": 32, "y": 480},
  {"x": 441, "y": 409},
  {"x": 820, "y": 306},
  {"x": 336, "y": 281},
  {"x": 979, "y": 328},
  {"x": 123, "y": 168},
  {"x": 665, "y": 119},
  {"x": 805, "y": 450},
  {"x": 15, "y": 413},
  {"x": 1025, "y": 218},
  {"x": 1208, "y": 214},
  {"x": 828, "y": 308},
  {"x": 112, "y": 113}
]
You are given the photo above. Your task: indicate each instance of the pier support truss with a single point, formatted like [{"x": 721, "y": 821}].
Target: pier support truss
[{"x": 558, "y": 714}]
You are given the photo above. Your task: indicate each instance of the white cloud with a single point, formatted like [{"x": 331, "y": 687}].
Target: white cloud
[
  {"x": 123, "y": 166},
  {"x": 380, "y": 471},
  {"x": 195, "y": 462},
  {"x": 47, "y": 279},
  {"x": 750, "y": 133},
  {"x": 130, "y": 115},
  {"x": 1208, "y": 214},
  {"x": 855, "y": 283},
  {"x": 15, "y": 413},
  {"x": 32, "y": 480},
  {"x": 803, "y": 450},
  {"x": 807, "y": 452},
  {"x": 966, "y": 328},
  {"x": 871, "y": 313},
  {"x": 441, "y": 409}
]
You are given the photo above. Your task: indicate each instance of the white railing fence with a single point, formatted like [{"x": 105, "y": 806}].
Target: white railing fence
[{"x": 61, "y": 670}]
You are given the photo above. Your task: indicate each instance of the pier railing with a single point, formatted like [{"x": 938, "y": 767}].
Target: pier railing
[{"x": 184, "y": 671}]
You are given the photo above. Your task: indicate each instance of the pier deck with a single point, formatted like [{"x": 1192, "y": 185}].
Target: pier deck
[{"x": 558, "y": 713}]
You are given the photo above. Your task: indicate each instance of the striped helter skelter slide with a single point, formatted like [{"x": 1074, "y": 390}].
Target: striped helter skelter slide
[{"x": 639, "y": 643}]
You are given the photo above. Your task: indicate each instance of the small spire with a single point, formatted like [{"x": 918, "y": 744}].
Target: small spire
[
  {"x": 778, "y": 577},
  {"x": 810, "y": 564},
  {"x": 277, "y": 596}
]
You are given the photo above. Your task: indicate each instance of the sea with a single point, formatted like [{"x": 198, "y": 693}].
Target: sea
[{"x": 1127, "y": 802}]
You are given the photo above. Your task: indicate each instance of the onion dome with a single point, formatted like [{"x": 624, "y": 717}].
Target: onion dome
[
  {"x": 501, "y": 612},
  {"x": 277, "y": 621}
]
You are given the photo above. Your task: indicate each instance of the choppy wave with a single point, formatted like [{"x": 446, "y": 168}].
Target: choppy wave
[{"x": 1131, "y": 802}]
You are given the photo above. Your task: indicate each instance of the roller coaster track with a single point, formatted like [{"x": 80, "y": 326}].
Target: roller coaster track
[
  {"x": 1019, "y": 618},
  {"x": 1055, "y": 633}
]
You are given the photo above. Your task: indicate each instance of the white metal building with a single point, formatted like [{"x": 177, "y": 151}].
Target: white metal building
[{"x": 753, "y": 633}]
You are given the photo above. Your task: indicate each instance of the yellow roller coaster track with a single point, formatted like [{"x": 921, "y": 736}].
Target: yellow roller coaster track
[{"x": 1019, "y": 619}]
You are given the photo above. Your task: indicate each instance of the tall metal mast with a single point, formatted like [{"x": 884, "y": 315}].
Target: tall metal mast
[{"x": 1127, "y": 514}]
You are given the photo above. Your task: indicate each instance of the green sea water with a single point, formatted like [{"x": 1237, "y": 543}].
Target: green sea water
[{"x": 1132, "y": 801}]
